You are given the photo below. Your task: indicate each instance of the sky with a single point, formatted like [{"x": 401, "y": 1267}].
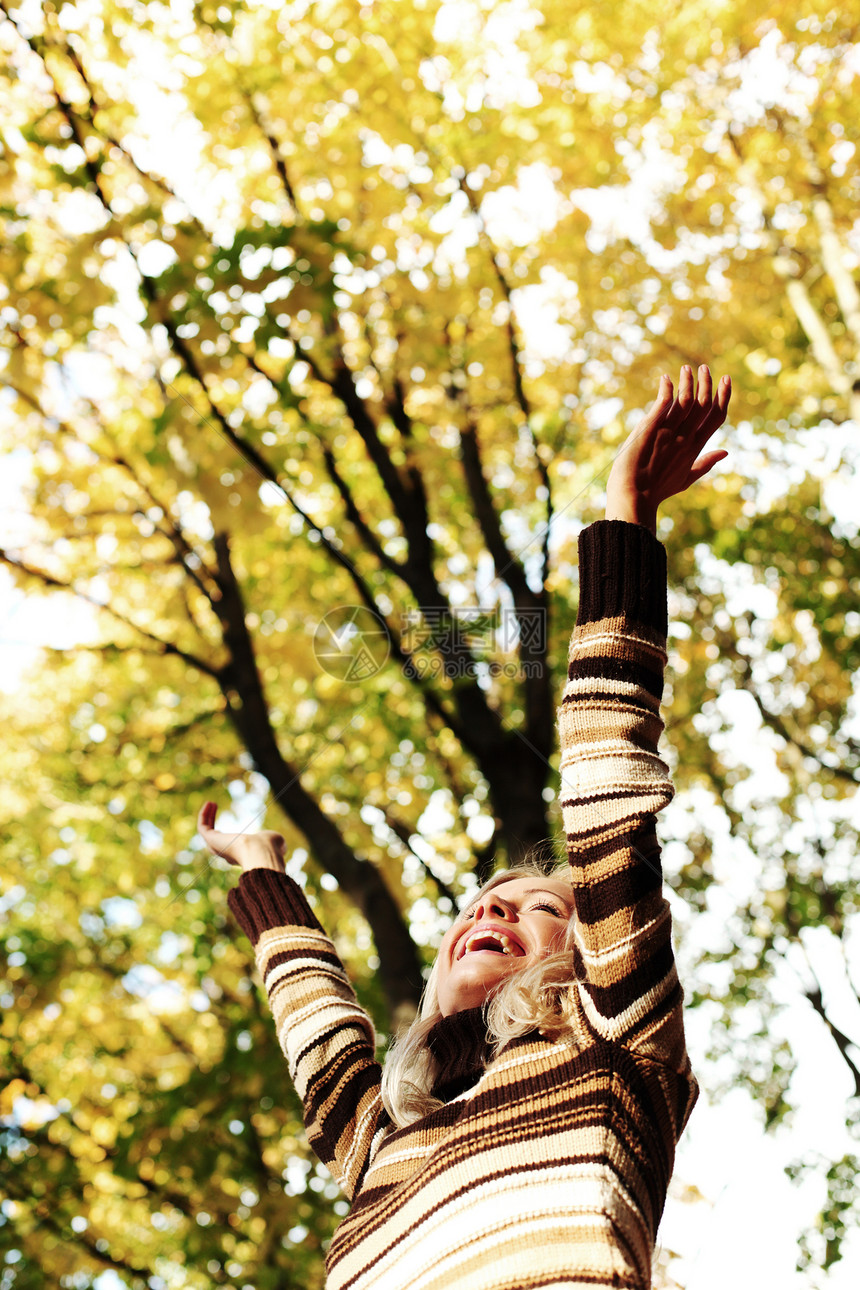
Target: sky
[{"x": 742, "y": 1228}]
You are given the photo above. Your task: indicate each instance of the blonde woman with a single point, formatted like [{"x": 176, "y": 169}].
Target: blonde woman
[{"x": 523, "y": 1132}]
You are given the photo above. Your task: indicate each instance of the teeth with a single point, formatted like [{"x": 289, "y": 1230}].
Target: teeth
[{"x": 487, "y": 935}]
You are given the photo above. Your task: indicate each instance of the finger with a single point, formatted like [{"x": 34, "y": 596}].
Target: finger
[
  {"x": 714, "y": 416},
  {"x": 694, "y": 414},
  {"x": 206, "y": 816},
  {"x": 679, "y": 412},
  {"x": 657, "y": 413},
  {"x": 220, "y": 844},
  {"x": 665, "y": 390},
  {"x": 704, "y": 394},
  {"x": 662, "y": 402},
  {"x": 718, "y": 410},
  {"x": 215, "y": 840},
  {"x": 705, "y": 463}
]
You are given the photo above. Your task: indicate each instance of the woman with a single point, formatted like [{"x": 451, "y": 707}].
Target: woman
[{"x": 523, "y": 1133}]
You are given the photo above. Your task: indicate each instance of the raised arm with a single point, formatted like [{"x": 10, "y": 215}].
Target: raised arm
[
  {"x": 612, "y": 779},
  {"x": 326, "y": 1037}
]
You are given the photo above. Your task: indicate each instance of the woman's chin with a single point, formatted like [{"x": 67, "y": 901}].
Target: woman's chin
[{"x": 468, "y": 984}]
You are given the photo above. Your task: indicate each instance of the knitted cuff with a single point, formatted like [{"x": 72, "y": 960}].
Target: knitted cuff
[
  {"x": 622, "y": 574},
  {"x": 265, "y": 899}
]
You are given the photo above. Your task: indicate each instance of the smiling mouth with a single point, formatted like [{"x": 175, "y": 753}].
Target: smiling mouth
[{"x": 494, "y": 942}]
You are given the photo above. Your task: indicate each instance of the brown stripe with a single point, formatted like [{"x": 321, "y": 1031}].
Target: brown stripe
[{"x": 630, "y": 671}]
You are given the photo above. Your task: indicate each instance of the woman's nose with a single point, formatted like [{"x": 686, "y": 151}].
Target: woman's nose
[{"x": 494, "y": 907}]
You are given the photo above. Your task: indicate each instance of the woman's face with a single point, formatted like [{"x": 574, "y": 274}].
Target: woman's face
[{"x": 508, "y": 928}]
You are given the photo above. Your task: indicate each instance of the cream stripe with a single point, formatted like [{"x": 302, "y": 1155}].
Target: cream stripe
[
  {"x": 602, "y": 955},
  {"x": 608, "y": 685},
  {"x": 591, "y": 749},
  {"x": 298, "y": 966},
  {"x": 304, "y": 936},
  {"x": 378, "y": 1142},
  {"x": 298, "y": 1030},
  {"x": 360, "y": 1133},
  {"x": 616, "y": 1027},
  {"x": 389, "y": 1158},
  {"x": 460, "y": 1229}
]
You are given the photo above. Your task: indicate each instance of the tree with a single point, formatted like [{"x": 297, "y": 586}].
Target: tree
[{"x": 363, "y": 347}]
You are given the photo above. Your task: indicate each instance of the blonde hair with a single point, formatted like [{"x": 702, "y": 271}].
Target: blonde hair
[{"x": 537, "y": 997}]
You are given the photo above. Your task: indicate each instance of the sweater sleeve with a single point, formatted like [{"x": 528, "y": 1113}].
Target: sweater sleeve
[
  {"x": 612, "y": 784},
  {"x": 327, "y": 1038}
]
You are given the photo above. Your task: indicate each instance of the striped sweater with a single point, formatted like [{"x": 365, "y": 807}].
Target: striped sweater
[{"x": 548, "y": 1164}]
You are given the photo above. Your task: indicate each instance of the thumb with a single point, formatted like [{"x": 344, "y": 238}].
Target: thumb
[{"x": 705, "y": 463}]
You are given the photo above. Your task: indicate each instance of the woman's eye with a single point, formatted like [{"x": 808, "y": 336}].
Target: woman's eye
[{"x": 552, "y": 909}]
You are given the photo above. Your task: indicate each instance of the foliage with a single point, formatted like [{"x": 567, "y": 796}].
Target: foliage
[{"x": 319, "y": 305}]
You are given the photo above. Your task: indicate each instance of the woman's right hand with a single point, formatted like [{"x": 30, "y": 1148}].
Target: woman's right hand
[
  {"x": 263, "y": 850},
  {"x": 665, "y": 454}
]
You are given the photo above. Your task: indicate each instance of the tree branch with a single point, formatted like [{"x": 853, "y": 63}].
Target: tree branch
[
  {"x": 832, "y": 249},
  {"x": 818, "y": 334},
  {"x": 531, "y": 609},
  {"x": 365, "y": 532},
  {"x": 45, "y": 1216},
  {"x": 479, "y": 727},
  {"x": 163, "y": 647},
  {"x": 797, "y": 292},
  {"x": 777, "y": 724},
  {"x": 158, "y": 181},
  {"x": 274, "y": 148},
  {"x": 404, "y": 834},
  {"x": 258, "y": 462},
  {"x": 248, "y": 710},
  {"x": 408, "y": 500},
  {"x": 833, "y": 258},
  {"x": 342, "y": 385},
  {"x": 843, "y": 1043},
  {"x": 517, "y": 364}
]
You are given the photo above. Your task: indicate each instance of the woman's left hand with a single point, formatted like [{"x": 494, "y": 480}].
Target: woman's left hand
[
  {"x": 263, "y": 850},
  {"x": 663, "y": 456}
]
